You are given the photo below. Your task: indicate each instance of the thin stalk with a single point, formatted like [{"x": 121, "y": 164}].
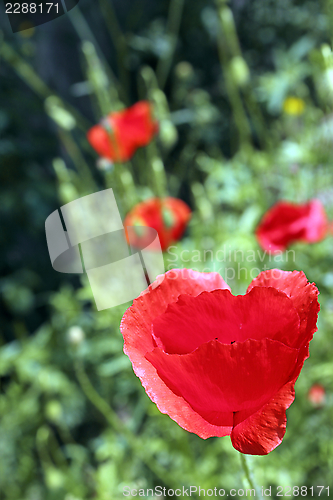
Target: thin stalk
[
  {"x": 42, "y": 436},
  {"x": 84, "y": 32},
  {"x": 239, "y": 114},
  {"x": 56, "y": 452},
  {"x": 228, "y": 48},
  {"x": 121, "y": 175},
  {"x": 78, "y": 159},
  {"x": 129, "y": 186},
  {"x": 248, "y": 475},
  {"x": 257, "y": 119},
  {"x": 114, "y": 421},
  {"x": 157, "y": 176},
  {"x": 106, "y": 93},
  {"x": 121, "y": 181},
  {"x": 118, "y": 39},
  {"x": 112, "y": 181},
  {"x": 173, "y": 24},
  {"x": 158, "y": 179}
]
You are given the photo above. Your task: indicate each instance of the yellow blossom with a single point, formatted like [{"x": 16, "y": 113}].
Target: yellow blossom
[{"x": 293, "y": 106}]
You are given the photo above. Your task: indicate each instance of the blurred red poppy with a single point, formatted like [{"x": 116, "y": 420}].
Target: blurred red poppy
[
  {"x": 169, "y": 216},
  {"x": 220, "y": 364},
  {"x": 121, "y": 133},
  {"x": 288, "y": 222},
  {"x": 317, "y": 395}
]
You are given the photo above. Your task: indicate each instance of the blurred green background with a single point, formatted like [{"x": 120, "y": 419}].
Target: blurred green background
[{"x": 243, "y": 92}]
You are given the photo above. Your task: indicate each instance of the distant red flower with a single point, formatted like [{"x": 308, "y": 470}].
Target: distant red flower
[
  {"x": 169, "y": 216},
  {"x": 317, "y": 395},
  {"x": 288, "y": 222},
  {"x": 220, "y": 364},
  {"x": 121, "y": 133}
]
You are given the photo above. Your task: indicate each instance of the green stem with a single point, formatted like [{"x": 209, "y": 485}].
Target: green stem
[
  {"x": 78, "y": 159},
  {"x": 113, "y": 181},
  {"x": 122, "y": 176},
  {"x": 248, "y": 475},
  {"x": 173, "y": 25},
  {"x": 158, "y": 178},
  {"x": 258, "y": 121},
  {"x": 118, "y": 39},
  {"x": 111, "y": 417},
  {"x": 104, "y": 89},
  {"x": 227, "y": 33},
  {"x": 129, "y": 186},
  {"x": 120, "y": 179},
  {"x": 148, "y": 86},
  {"x": 83, "y": 30}
]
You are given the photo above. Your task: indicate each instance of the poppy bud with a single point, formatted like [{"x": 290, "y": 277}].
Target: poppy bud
[
  {"x": 75, "y": 335},
  {"x": 168, "y": 134},
  {"x": 184, "y": 70},
  {"x": 240, "y": 71},
  {"x": 53, "y": 411}
]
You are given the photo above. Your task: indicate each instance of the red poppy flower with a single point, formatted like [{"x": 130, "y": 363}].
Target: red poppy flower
[
  {"x": 288, "y": 222},
  {"x": 220, "y": 364},
  {"x": 317, "y": 395},
  {"x": 121, "y": 133},
  {"x": 169, "y": 216}
]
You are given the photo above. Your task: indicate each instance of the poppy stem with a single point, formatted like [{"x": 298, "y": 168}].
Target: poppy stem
[
  {"x": 248, "y": 475},
  {"x": 102, "y": 83},
  {"x": 85, "y": 34},
  {"x": 119, "y": 41},
  {"x": 78, "y": 159},
  {"x": 228, "y": 48},
  {"x": 173, "y": 25},
  {"x": 158, "y": 176}
]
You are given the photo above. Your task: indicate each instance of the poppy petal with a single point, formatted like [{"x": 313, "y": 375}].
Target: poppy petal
[
  {"x": 317, "y": 223},
  {"x": 100, "y": 140},
  {"x": 220, "y": 378},
  {"x": 136, "y": 124},
  {"x": 191, "y": 321},
  {"x": 264, "y": 430},
  {"x": 136, "y": 330},
  {"x": 122, "y": 132},
  {"x": 304, "y": 296},
  {"x": 169, "y": 216},
  {"x": 287, "y": 222}
]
